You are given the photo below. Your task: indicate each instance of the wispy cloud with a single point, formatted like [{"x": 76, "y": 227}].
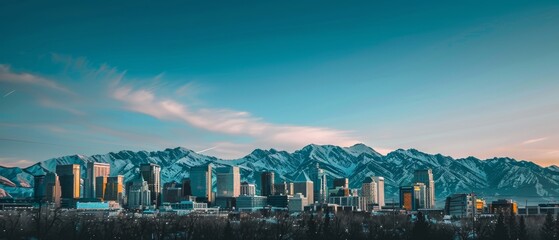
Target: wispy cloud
[
  {"x": 14, "y": 162},
  {"x": 9, "y": 93},
  {"x": 230, "y": 122},
  {"x": 535, "y": 140},
  {"x": 7, "y": 75}
]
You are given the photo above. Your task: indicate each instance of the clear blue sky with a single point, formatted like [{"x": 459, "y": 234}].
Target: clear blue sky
[{"x": 460, "y": 78}]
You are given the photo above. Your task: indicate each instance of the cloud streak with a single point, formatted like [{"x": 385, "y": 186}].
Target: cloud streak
[
  {"x": 229, "y": 122},
  {"x": 530, "y": 141},
  {"x": 7, "y": 75}
]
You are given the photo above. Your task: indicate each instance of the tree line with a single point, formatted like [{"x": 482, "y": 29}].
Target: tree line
[{"x": 70, "y": 225}]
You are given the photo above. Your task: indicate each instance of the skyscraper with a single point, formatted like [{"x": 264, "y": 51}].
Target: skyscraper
[
  {"x": 152, "y": 174},
  {"x": 94, "y": 170},
  {"x": 248, "y": 189},
  {"x": 52, "y": 189},
  {"x": 172, "y": 192},
  {"x": 407, "y": 198},
  {"x": 100, "y": 186},
  {"x": 304, "y": 185},
  {"x": 39, "y": 188},
  {"x": 341, "y": 182},
  {"x": 186, "y": 187},
  {"x": 369, "y": 192},
  {"x": 267, "y": 183},
  {"x": 320, "y": 185},
  {"x": 283, "y": 188},
  {"x": 380, "y": 191},
  {"x": 114, "y": 190},
  {"x": 420, "y": 195},
  {"x": 69, "y": 177},
  {"x": 425, "y": 176},
  {"x": 228, "y": 182},
  {"x": 201, "y": 182},
  {"x": 139, "y": 195}
]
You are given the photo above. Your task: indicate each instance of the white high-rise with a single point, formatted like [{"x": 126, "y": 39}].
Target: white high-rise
[
  {"x": 140, "y": 195},
  {"x": 369, "y": 192},
  {"x": 425, "y": 176},
  {"x": 228, "y": 182},
  {"x": 380, "y": 191},
  {"x": 248, "y": 189}
]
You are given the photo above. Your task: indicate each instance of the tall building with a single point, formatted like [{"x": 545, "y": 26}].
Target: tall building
[
  {"x": 505, "y": 206},
  {"x": 39, "y": 188},
  {"x": 94, "y": 170},
  {"x": 52, "y": 189},
  {"x": 172, "y": 192},
  {"x": 114, "y": 190},
  {"x": 248, "y": 189},
  {"x": 425, "y": 176},
  {"x": 201, "y": 182},
  {"x": 267, "y": 183},
  {"x": 341, "y": 182},
  {"x": 152, "y": 174},
  {"x": 283, "y": 188},
  {"x": 139, "y": 196},
  {"x": 228, "y": 182},
  {"x": 461, "y": 205},
  {"x": 69, "y": 177},
  {"x": 407, "y": 198},
  {"x": 420, "y": 195},
  {"x": 100, "y": 186},
  {"x": 304, "y": 185},
  {"x": 320, "y": 184},
  {"x": 380, "y": 191},
  {"x": 186, "y": 189},
  {"x": 369, "y": 192}
]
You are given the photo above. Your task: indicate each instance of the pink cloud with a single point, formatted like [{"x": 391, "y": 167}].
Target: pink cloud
[
  {"x": 230, "y": 122},
  {"x": 7, "y": 75}
]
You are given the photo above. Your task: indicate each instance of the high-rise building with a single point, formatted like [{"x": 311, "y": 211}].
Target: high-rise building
[
  {"x": 100, "y": 186},
  {"x": 186, "y": 189},
  {"x": 114, "y": 190},
  {"x": 248, "y": 189},
  {"x": 228, "y": 182},
  {"x": 461, "y": 205},
  {"x": 94, "y": 170},
  {"x": 139, "y": 196},
  {"x": 172, "y": 192},
  {"x": 283, "y": 188},
  {"x": 341, "y": 182},
  {"x": 380, "y": 191},
  {"x": 407, "y": 198},
  {"x": 267, "y": 183},
  {"x": 304, "y": 185},
  {"x": 369, "y": 192},
  {"x": 201, "y": 182},
  {"x": 69, "y": 177},
  {"x": 320, "y": 184},
  {"x": 52, "y": 189},
  {"x": 420, "y": 194},
  {"x": 425, "y": 176},
  {"x": 39, "y": 188},
  {"x": 152, "y": 174}
]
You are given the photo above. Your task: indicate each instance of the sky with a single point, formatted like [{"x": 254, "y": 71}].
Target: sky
[{"x": 460, "y": 78}]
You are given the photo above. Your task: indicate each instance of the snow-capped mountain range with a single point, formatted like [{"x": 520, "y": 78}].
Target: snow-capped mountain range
[{"x": 491, "y": 178}]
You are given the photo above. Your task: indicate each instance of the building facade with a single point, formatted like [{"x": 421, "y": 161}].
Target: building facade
[
  {"x": 267, "y": 183},
  {"x": 152, "y": 175},
  {"x": 228, "y": 182},
  {"x": 369, "y": 192},
  {"x": 248, "y": 189},
  {"x": 425, "y": 176},
  {"x": 320, "y": 184},
  {"x": 94, "y": 170},
  {"x": 69, "y": 178},
  {"x": 201, "y": 182}
]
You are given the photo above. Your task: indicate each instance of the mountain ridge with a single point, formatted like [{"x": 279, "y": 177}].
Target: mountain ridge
[{"x": 491, "y": 178}]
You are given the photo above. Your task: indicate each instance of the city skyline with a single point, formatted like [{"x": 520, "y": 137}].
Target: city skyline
[{"x": 478, "y": 79}]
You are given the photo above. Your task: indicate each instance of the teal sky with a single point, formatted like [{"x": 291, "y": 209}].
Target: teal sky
[{"x": 461, "y": 78}]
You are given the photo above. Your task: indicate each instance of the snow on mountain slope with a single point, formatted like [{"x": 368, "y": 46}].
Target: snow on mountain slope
[{"x": 493, "y": 178}]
